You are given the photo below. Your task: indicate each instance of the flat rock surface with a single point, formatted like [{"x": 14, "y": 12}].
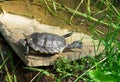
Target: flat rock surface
[{"x": 13, "y": 26}]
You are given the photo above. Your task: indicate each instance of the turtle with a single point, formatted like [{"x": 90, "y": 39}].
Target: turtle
[{"x": 48, "y": 43}]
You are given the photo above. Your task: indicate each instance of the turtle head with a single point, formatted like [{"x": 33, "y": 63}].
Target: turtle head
[
  {"x": 75, "y": 44},
  {"x": 24, "y": 42}
]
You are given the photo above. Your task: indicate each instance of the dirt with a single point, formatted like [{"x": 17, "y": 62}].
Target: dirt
[{"x": 24, "y": 75}]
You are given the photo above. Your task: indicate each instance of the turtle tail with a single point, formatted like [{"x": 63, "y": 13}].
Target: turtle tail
[
  {"x": 75, "y": 44},
  {"x": 68, "y": 35}
]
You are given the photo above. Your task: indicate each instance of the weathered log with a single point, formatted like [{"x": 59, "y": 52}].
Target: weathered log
[{"x": 13, "y": 26}]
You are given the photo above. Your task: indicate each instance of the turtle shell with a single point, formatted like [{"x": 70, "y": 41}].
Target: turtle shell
[{"x": 46, "y": 43}]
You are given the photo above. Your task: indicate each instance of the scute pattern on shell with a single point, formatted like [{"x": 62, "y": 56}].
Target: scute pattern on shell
[{"x": 46, "y": 43}]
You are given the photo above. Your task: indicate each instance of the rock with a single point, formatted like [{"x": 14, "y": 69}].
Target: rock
[{"x": 13, "y": 26}]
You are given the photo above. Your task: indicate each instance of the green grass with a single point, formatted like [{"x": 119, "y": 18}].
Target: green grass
[
  {"x": 108, "y": 63},
  {"x": 102, "y": 68},
  {"x": 40, "y": 73},
  {"x": 9, "y": 67}
]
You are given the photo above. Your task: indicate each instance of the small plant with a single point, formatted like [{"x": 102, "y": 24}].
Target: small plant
[
  {"x": 73, "y": 69},
  {"x": 64, "y": 65}
]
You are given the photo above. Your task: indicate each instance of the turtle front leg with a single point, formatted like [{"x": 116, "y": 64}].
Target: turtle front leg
[{"x": 27, "y": 50}]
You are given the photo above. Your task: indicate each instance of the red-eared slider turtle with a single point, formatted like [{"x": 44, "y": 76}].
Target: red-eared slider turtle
[{"x": 48, "y": 43}]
